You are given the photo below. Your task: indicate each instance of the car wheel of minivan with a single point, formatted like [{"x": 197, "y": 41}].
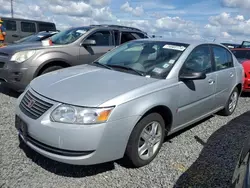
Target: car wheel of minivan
[
  {"x": 146, "y": 140},
  {"x": 231, "y": 103},
  {"x": 50, "y": 69}
]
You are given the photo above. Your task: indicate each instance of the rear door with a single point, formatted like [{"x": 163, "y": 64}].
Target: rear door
[
  {"x": 12, "y": 30},
  {"x": 27, "y": 28},
  {"x": 225, "y": 73},
  {"x": 104, "y": 43}
]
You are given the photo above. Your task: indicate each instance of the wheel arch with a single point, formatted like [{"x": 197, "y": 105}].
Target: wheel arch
[
  {"x": 48, "y": 64},
  {"x": 164, "y": 111}
]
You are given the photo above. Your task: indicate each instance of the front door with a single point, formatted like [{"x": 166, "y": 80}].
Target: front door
[
  {"x": 12, "y": 30},
  {"x": 196, "y": 96},
  {"x": 104, "y": 43},
  {"x": 226, "y": 74}
]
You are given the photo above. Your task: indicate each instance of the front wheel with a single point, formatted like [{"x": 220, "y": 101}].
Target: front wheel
[
  {"x": 146, "y": 140},
  {"x": 231, "y": 103}
]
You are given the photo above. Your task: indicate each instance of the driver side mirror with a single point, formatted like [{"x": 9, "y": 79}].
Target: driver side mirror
[
  {"x": 192, "y": 76},
  {"x": 88, "y": 42}
]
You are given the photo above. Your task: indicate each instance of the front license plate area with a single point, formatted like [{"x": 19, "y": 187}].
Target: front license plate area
[{"x": 22, "y": 127}]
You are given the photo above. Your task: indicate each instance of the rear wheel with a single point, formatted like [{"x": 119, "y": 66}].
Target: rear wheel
[
  {"x": 231, "y": 103},
  {"x": 146, "y": 140},
  {"x": 50, "y": 69}
]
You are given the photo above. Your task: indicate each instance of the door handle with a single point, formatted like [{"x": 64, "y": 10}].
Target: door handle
[
  {"x": 211, "y": 81},
  {"x": 14, "y": 35},
  {"x": 231, "y": 74}
]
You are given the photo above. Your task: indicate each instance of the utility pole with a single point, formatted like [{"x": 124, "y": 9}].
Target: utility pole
[{"x": 12, "y": 12}]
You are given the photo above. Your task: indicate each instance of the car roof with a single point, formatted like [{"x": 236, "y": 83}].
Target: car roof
[
  {"x": 181, "y": 41},
  {"x": 104, "y": 26}
]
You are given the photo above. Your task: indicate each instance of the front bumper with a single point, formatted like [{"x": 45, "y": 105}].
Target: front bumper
[
  {"x": 76, "y": 144},
  {"x": 15, "y": 76}
]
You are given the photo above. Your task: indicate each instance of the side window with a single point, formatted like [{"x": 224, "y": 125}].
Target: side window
[
  {"x": 221, "y": 58},
  {"x": 10, "y": 25},
  {"x": 28, "y": 27},
  {"x": 229, "y": 59},
  {"x": 117, "y": 37},
  {"x": 102, "y": 38},
  {"x": 126, "y": 37},
  {"x": 46, "y": 27},
  {"x": 199, "y": 60}
]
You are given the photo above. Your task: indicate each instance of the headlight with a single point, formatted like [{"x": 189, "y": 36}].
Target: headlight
[
  {"x": 78, "y": 115},
  {"x": 22, "y": 56}
]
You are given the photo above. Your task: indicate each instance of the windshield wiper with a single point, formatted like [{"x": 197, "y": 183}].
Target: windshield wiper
[
  {"x": 100, "y": 64},
  {"x": 127, "y": 68}
]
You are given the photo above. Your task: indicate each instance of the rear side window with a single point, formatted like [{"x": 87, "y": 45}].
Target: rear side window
[
  {"x": 10, "y": 25},
  {"x": 28, "y": 27},
  {"x": 46, "y": 27},
  {"x": 126, "y": 37},
  {"x": 222, "y": 57}
]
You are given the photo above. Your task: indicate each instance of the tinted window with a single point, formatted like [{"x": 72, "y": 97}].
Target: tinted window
[
  {"x": 150, "y": 58},
  {"x": 221, "y": 58},
  {"x": 199, "y": 60},
  {"x": 10, "y": 25},
  {"x": 117, "y": 37},
  {"x": 241, "y": 54},
  {"x": 126, "y": 37},
  {"x": 46, "y": 27},
  {"x": 28, "y": 27},
  {"x": 102, "y": 38}
]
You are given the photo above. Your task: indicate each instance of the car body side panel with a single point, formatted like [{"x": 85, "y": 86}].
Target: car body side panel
[{"x": 197, "y": 98}]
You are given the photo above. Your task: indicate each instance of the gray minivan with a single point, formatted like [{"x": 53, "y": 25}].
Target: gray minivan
[{"x": 18, "y": 28}]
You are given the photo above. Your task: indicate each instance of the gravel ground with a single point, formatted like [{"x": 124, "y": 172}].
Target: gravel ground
[{"x": 202, "y": 156}]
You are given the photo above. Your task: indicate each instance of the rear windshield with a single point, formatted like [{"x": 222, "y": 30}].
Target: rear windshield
[{"x": 69, "y": 36}]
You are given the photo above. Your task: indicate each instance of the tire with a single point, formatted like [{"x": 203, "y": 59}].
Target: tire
[
  {"x": 50, "y": 69},
  {"x": 227, "y": 111},
  {"x": 136, "y": 141}
]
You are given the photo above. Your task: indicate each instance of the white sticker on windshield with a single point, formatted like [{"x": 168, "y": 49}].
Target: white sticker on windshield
[
  {"x": 81, "y": 31},
  {"x": 40, "y": 36},
  {"x": 171, "y": 61},
  {"x": 166, "y": 65},
  {"x": 174, "y": 47},
  {"x": 158, "y": 70}
]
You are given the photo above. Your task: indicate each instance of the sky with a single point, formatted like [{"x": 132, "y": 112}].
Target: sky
[{"x": 220, "y": 20}]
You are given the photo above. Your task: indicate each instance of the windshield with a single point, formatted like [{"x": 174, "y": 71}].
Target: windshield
[
  {"x": 69, "y": 36},
  {"x": 151, "y": 58},
  {"x": 241, "y": 54}
]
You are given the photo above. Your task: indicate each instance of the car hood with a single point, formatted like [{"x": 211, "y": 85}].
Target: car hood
[
  {"x": 12, "y": 48},
  {"x": 86, "y": 85}
]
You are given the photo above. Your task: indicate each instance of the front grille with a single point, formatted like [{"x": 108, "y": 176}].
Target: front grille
[
  {"x": 4, "y": 54},
  {"x": 32, "y": 106},
  {"x": 1, "y": 64}
]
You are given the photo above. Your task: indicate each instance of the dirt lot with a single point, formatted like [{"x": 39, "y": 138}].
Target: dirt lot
[{"x": 202, "y": 156}]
